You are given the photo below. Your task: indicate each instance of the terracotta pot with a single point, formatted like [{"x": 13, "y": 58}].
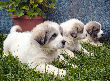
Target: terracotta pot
[{"x": 26, "y": 23}]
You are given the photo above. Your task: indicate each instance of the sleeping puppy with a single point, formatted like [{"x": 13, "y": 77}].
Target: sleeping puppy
[
  {"x": 74, "y": 31},
  {"x": 37, "y": 48},
  {"x": 94, "y": 32}
]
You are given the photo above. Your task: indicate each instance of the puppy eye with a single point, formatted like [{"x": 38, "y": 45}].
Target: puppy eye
[
  {"x": 54, "y": 35},
  {"x": 73, "y": 35},
  {"x": 96, "y": 30},
  {"x": 81, "y": 31},
  {"x": 62, "y": 33}
]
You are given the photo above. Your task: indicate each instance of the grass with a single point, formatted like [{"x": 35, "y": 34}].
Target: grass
[{"x": 89, "y": 68}]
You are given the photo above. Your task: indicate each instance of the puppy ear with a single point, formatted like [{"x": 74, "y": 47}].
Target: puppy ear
[
  {"x": 41, "y": 38},
  {"x": 73, "y": 33},
  {"x": 90, "y": 31}
]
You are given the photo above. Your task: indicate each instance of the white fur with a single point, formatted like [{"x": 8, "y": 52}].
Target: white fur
[
  {"x": 90, "y": 40},
  {"x": 30, "y": 52},
  {"x": 100, "y": 33},
  {"x": 68, "y": 25},
  {"x": 73, "y": 44}
]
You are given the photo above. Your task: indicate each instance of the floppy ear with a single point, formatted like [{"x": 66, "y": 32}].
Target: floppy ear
[
  {"x": 41, "y": 37},
  {"x": 90, "y": 31},
  {"x": 74, "y": 33}
]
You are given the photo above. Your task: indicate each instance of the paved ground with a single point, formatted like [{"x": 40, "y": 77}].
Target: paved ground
[{"x": 85, "y": 10}]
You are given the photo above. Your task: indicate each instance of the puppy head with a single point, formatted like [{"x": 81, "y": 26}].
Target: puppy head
[
  {"x": 94, "y": 29},
  {"x": 48, "y": 35},
  {"x": 74, "y": 29}
]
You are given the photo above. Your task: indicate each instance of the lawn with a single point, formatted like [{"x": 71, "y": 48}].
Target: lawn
[{"x": 89, "y": 68}]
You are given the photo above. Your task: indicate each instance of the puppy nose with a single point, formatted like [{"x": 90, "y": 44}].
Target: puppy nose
[
  {"x": 102, "y": 34},
  {"x": 63, "y": 42}
]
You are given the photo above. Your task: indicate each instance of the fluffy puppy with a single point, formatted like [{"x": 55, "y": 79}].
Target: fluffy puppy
[
  {"x": 94, "y": 32},
  {"x": 37, "y": 48},
  {"x": 74, "y": 31}
]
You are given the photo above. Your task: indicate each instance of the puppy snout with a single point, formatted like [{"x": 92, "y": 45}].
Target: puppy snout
[
  {"x": 63, "y": 42},
  {"x": 102, "y": 34},
  {"x": 86, "y": 35}
]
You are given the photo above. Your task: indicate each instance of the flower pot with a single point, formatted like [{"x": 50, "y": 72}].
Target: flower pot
[{"x": 26, "y": 23}]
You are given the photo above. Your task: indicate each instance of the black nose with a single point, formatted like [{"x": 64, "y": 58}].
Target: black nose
[
  {"x": 102, "y": 34},
  {"x": 63, "y": 42}
]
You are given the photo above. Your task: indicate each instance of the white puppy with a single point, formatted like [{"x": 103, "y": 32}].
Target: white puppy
[
  {"x": 37, "y": 48},
  {"x": 94, "y": 32},
  {"x": 74, "y": 31}
]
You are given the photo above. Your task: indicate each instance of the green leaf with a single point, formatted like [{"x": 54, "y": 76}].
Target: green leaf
[
  {"x": 53, "y": 1},
  {"x": 16, "y": 4},
  {"x": 35, "y": 14},
  {"x": 25, "y": 7},
  {"x": 39, "y": 1},
  {"x": 31, "y": 13},
  {"x": 38, "y": 10},
  {"x": 11, "y": 9},
  {"x": 19, "y": 13},
  {"x": 1, "y": 5},
  {"x": 41, "y": 13},
  {"x": 35, "y": 5},
  {"x": 30, "y": 7},
  {"x": 52, "y": 5},
  {"x": 31, "y": 1}
]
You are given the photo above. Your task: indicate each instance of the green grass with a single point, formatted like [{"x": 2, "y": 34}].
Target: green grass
[{"x": 89, "y": 68}]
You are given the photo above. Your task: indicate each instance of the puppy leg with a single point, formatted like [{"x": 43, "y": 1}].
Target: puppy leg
[
  {"x": 50, "y": 69},
  {"x": 63, "y": 59},
  {"x": 6, "y": 50},
  {"x": 99, "y": 44},
  {"x": 80, "y": 48},
  {"x": 86, "y": 52},
  {"x": 68, "y": 52},
  {"x": 96, "y": 43}
]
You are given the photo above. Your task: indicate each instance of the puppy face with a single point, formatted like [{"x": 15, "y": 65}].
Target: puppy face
[
  {"x": 94, "y": 29},
  {"x": 48, "y": 35},
  {"x": 74, "y": 29},
  {"x": 78, "y": 31}
]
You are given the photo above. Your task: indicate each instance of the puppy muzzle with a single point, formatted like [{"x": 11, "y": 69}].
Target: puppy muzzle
[
  {"x": 63, "y": 43},
  {"x": 102, "y": 34}
]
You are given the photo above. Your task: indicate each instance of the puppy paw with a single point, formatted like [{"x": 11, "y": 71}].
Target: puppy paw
[
  {"x": 70, "y": 53},
  {"x": 96, "y": 44},
  {"x": 62, "y": 73},
  {"x": 74, "y": 66},
  {"x": 91, "y": 54},
  {"x": 99, "y": 44}
]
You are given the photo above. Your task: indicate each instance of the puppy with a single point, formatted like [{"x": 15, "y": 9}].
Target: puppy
[
  {"x": 37, "y": 48},
  {"x": 74, "y": 31},
  {"x": 94, "y": 32}
]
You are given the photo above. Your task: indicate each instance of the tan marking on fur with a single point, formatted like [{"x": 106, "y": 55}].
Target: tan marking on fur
[
  {"x": 91, "y": 24},
  {"x": 79, "y": 26}
]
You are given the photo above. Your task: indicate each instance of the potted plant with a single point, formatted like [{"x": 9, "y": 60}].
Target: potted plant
[{"x": 27, "y": 13}]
